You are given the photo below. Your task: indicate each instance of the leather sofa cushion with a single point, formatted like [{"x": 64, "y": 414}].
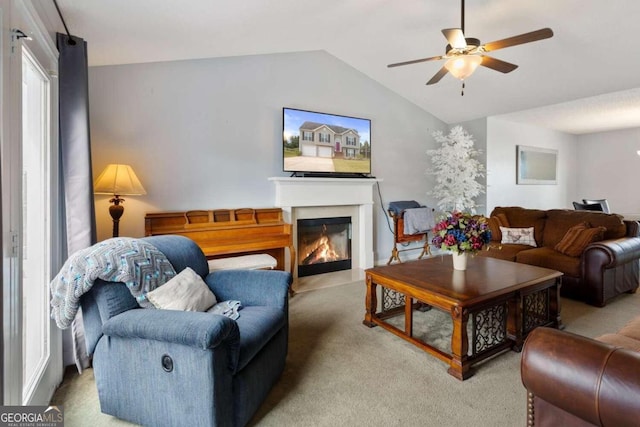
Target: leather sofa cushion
[
  {"x": 621, "y": 341},
  {"x": 521, "y": 218},
  {"x": 549, "y": 258},
  {"x": 560, "y": 220},
  {"x": 632, "y": 329},
  {"x": 627, "y": 337},
  {"x": 505, "y": 252}
]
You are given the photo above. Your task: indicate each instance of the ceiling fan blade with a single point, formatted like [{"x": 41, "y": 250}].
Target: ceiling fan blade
[
  {"x": 415, "y": 61},
  {"x": 438, "y": 76},
  {"x": 455, "y": 37},
  {"x": 497, "y": 64},
  {"x": 533, "y": 36}
]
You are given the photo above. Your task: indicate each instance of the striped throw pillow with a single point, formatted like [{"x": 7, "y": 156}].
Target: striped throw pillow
[{"x": 578, "y": 237}]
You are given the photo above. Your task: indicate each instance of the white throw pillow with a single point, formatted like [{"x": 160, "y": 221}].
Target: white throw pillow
[
  {"x": 520, "y": 236},
  {"x": 186, "y": 291}
]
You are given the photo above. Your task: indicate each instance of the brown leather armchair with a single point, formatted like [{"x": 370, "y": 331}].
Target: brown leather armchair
[{"x": 576, "y": 381}]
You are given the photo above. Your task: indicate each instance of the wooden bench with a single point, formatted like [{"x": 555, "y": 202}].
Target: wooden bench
[{"x": 244, "y": 262}]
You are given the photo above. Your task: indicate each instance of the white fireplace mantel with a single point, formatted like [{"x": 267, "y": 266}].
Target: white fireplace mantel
[{"x": 297, "y": 196}]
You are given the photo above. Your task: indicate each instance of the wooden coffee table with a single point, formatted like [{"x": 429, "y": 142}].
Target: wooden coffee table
[{"x": 503, "y": 300}]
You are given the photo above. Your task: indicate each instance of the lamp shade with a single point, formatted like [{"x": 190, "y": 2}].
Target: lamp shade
[
  {"x": 118, "y": 180},
  {"x": 463, "y": 66}
]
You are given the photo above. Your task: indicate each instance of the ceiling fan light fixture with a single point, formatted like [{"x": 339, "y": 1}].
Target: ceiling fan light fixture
[{"x": 463, "y": 66}]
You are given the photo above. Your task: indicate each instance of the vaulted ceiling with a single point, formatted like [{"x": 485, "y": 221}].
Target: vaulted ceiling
[{"x": 588, "y": 71}]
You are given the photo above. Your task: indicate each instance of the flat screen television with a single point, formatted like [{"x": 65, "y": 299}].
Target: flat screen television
[{"x": 321, "y": 144}]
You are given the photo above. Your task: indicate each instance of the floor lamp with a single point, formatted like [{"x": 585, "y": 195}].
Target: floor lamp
[{"x": 118, "y": 180}]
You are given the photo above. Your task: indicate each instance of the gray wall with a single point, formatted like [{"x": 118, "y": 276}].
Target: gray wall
[
  {"x": 502, "y": 138},
  {"x": 204, "y": 134},
  {"x": 610, "y": 169}
]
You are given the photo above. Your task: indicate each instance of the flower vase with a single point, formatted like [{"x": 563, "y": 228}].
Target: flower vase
[{"x": 459, "y": 260}]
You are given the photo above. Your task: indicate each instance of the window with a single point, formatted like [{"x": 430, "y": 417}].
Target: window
[
  {"x": 307, "y": 136},
  {"x": 32, "y": 350},
  {"x": 325, "y": 137},
  {"x": 35, "y": 220},
  {"x": 351, "y": 140}
]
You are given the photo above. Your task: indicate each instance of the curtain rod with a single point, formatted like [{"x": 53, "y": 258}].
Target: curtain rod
[{"x": 71, "y": 40}]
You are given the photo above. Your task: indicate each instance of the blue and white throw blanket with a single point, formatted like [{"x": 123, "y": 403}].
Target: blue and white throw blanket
[
  {"x": 227, "y": 308},
  {"x": 138, "y": 264}
]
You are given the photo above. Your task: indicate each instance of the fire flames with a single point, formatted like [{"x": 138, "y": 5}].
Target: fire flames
[{"x": 320, "y": 250}]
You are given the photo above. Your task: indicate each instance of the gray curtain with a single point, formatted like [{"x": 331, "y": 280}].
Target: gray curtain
[{"x": 75, "y": 163}]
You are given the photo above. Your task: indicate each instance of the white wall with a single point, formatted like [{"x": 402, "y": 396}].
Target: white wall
[
  {"x": 502, "y": 138},
  {"x": 204, "y": 134},
  {"x": 609, "y": 168}
]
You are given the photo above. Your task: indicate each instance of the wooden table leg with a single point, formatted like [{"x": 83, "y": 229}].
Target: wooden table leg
[
  {"x": 459, "y": 367},
  {"x": 371, "y": 303},
  {"x": 554, "y": 304},
  {"x": 408, "y": 316},
  {"x": 514, "y": 322}
]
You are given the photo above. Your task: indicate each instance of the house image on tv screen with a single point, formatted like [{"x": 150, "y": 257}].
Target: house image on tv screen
[
  {"x": 325, "y": 143},
  {"x": 329, "y": 141}
]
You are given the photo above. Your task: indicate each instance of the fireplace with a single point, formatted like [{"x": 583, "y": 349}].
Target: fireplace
[
  {"x": 324, "y": 245},
  {"x": 309, "y": 198}
]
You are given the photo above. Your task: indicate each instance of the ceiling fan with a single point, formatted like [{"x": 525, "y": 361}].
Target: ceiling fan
[{"x": 465, "y": 54}]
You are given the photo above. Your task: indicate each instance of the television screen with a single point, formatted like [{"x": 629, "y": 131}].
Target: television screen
[{"x": 323, "y": 143}]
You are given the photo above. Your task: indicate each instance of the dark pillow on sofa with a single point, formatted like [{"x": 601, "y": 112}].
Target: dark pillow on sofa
[
  {"x": 578, "y": 237},
  {"x": 495, "y": 222}
]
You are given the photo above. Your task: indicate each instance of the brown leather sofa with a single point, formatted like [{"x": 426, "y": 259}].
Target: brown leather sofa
[
  {"x": 576, "y": 381},
  {"x": 605, "y": 269}
]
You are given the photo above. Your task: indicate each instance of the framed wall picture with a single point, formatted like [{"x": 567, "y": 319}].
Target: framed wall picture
[{"x": 536, "y": 165}]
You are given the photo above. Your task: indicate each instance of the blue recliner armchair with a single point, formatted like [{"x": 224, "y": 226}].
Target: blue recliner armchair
[{"x": 178, "y": 368}]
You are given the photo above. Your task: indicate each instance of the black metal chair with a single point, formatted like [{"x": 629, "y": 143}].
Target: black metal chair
[
  {"x": 588, "y": 206},
  {"x": 602, "y": 202}
]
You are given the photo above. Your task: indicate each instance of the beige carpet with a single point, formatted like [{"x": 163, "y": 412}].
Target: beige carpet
[{"x": 340, "y": 372}]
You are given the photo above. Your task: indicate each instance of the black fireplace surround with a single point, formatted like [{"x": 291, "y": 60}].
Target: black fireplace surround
[{"x": 324, "y": 245}]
